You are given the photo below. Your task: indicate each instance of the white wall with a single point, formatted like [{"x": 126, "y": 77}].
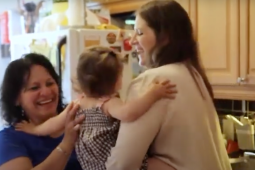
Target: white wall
[
  {"x": 7, "y": 4},
  {"x": 11, "y": 4},
  {"x": 3, "y": 64},
  {"x": 4, "y": 5}
]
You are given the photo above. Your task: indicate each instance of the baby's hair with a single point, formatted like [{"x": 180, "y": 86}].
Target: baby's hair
[{"x": 98, "y": 71}]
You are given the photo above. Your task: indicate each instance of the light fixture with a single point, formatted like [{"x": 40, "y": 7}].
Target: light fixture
[{"x": 130, "y": 22}]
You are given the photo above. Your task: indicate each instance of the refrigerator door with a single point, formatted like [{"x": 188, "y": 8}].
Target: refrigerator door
[
  {"x": 70, "y": 50},
  {"x": 114, "y": 40}
]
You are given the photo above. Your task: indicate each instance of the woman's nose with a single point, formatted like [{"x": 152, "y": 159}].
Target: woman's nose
[
  {"x": 133, "y": 40},
  {"x": 45, "y": 91}
]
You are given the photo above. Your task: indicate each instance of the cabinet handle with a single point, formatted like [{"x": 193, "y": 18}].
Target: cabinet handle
[{"x": 241, "y": 80}]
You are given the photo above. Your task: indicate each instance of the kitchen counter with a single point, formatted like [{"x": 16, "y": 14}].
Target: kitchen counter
[{"x": 236, "y": 160}]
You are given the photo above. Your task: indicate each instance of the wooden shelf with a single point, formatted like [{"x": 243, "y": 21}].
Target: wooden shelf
[
  {"x": 118, "y": 6},
  {"x": 234, "y": 92}
]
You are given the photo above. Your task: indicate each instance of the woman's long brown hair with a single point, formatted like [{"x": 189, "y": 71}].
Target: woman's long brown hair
[{"x": 169, "y": 20}]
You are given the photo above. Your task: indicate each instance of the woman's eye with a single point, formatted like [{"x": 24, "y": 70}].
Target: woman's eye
[
  {"x": 138, "y": 32},
  {"x": 34, "y": 88},
  {"x": 49, "y": 84}
]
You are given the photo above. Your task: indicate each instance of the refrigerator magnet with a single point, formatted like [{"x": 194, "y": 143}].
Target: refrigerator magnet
[
  {"x": 121, "y": 35},
  {"x": 116, "y": 48},
  {"x": 126, "y": 44},
  {"x": 92, "y": 40},
  {"x": 111, "y": 38}
]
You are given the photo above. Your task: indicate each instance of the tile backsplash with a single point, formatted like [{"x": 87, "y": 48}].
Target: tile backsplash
[{"x": 234, "y": 107}]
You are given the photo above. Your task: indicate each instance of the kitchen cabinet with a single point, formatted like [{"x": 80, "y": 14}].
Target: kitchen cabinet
[
  {"x": 225, "y": 32},
  {"x": 247, "y": 29},
  {"x": 217, "y": 29}
]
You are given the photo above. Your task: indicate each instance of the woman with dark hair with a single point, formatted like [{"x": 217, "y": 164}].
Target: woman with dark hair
[
  {"x": 31, "y": 92},
  {"x": 183, "y": 133}
]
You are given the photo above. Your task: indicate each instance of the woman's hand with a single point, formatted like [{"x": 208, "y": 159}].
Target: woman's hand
[{"x": 72, "y": 126}]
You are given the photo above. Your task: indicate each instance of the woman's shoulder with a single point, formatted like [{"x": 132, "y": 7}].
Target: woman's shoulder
[
  {"x": 9, "y": 137},
  {"x": 170, "y": 71},
  {"x": 10, "y": 145},
  {"x": 7, "y": 132}
]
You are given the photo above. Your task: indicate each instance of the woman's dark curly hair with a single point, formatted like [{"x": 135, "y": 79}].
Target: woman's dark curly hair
[{"x": 15, "y": 77}]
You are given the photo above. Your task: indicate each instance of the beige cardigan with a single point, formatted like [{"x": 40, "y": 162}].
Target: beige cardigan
[{"x": 185, "y": 132}]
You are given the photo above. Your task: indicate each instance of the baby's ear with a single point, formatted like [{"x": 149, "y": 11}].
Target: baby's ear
[{"x": 75, "y": 85}]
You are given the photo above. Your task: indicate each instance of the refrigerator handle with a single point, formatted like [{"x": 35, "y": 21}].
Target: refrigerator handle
[{"x": 61, "y": 42}]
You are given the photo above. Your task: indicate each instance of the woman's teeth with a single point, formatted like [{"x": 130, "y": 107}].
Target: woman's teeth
[{"x": 45, "y": 102}]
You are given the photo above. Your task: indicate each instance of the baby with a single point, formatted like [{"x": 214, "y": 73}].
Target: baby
[{"x": 99, "y": 75}]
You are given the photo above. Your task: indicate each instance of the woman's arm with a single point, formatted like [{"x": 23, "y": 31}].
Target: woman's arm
[
  {"x": 134, "y": 138},
  {"x": 15, "y": 156},
  {"x": 56, "y": 160},
  {"x": 135, "y": 108}
]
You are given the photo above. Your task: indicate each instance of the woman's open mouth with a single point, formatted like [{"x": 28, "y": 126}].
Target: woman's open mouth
[{"x": 45, "y": 102}]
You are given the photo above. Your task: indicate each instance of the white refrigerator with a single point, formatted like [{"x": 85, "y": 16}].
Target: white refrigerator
[{"x": 65, "y": 58}]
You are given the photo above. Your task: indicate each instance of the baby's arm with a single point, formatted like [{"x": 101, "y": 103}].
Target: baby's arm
[
  {"x": 132, "y": 110},
  {"x": 52, "y": 125}
]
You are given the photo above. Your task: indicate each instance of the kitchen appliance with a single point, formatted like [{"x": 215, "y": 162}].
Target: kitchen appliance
[
  {"x": 64, "y": 46},
  {"x": 245, "y": 134}
]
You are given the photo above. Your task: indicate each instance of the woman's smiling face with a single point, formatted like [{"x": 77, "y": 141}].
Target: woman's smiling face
[
  {"x": 144, "y": 40},
  {"x": 39, "y": 96}
]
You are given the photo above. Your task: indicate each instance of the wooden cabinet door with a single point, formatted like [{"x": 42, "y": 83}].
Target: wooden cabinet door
[
  {"x": 247, "y": 41},
  {"x": 190, "y": 7},
  {"x": 217, "y": 29}
]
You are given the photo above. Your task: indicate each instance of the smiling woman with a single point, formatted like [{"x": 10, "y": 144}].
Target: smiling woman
[
  {"x": 31, "y": 92},
  {"x": 183, "y": 133},
  {"x": 21, "y": 92}
]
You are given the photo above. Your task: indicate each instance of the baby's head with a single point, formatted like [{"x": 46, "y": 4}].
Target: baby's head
[{"x": 99, "y": 71}]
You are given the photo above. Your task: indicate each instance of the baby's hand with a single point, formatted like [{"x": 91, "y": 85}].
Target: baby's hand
[
  {"x": 26, "y": 127},
  {"x": 163, "y": 89}
]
